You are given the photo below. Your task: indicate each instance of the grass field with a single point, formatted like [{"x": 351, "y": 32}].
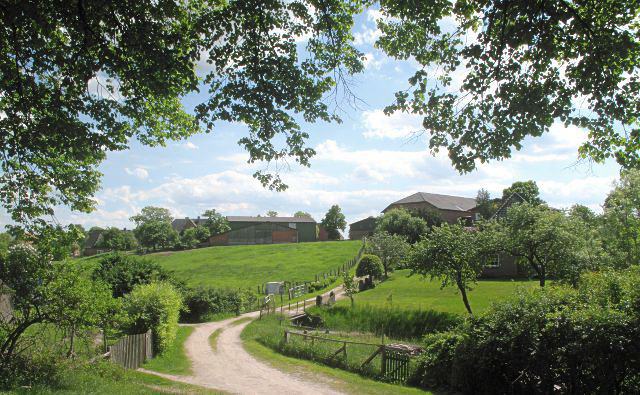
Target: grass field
[
  {"x": 416, "y": 293},
  {"x": 174, "y": 359},
  {"x": 249, "y": 266}
]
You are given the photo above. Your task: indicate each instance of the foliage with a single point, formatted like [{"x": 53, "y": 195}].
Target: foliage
[
  {"x": 202, "y": 303},
  {"x": 302, "y": 214},
  {"x": 272, "y": 213},
  {"x": 526, "y": 189},
  {"x": 123, "y": 272},
  {"x": 334, "y": 221},
  {"x": 5, "y": 241},
  {"x": 545, "y": 239},
  {"x": 349, "y": 285},
  {"x": 190, "y": 238},
  {"x": 154, "y": 306},
  {"x": 485, "y": 205},
  {"x": 174, "y": 359},
  {"x": 553, "y": 339},
  {"x": 114, "y": 239},
  {"x": 621, "y": 223},
  {"x": 216, "y": 222},
  {"x": 58, "y": 241},
  {"x": 43, "y": 291},
  {"x": 394, "y": 322},
  {"x": 523, "y": 64},
  {"x": 391, "y": 249},
  {"x": 451, "y": 254},
  {"x": 153, "y": 228},
  {"x": 399, "y": 221},
  {"x": 370, "y": 265},
  {"x": 430, "y": 216},
  {"x": 82, "y": 80}
]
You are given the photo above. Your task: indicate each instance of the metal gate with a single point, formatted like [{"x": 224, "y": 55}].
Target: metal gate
[{"x": 395, "y": 365}]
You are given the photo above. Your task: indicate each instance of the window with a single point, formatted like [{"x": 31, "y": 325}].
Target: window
[
  {"x": 494, "y": 263},
  {"x": 292, "y": 225}
]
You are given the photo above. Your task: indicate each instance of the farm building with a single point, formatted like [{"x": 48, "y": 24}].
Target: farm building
[
  {"x": 267, "y": 230},
  {"x": 360, "y": 229},
  {"x": 449, "y": 208},
  {"x": 182, "y": 224},
  {"x": 91, "y": 243}
]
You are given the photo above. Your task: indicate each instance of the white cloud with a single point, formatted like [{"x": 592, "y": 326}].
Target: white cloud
[
  {"x": 189, "y": 145},
  {"x": 372, "y": 61},
  {"x": 137, "y": 172},
  {"x": 395, "y": 126},
  {"x": 367, "y": 36}
]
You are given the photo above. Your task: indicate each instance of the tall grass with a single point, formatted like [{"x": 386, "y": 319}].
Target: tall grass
[{"x": 391, "y": 321}]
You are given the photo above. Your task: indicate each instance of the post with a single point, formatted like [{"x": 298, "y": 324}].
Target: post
[
  {"x": 296, "y": 306},
  {"x": 384, "y": 361},
  {"x": 286, "y": 336},
  {"x": 344, "y": 351},
  {"x": 304, "y": 305}
]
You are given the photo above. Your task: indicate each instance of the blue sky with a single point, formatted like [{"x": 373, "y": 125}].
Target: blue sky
[{"x": 363, "y": 164}]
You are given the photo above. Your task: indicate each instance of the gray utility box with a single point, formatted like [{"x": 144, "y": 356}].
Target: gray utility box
[{"x": 274, "y": 288}]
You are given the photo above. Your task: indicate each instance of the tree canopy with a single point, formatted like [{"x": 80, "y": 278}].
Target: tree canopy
[
  {"x": 527, "y": 189},
  {"x": 80, "y": 79},
  {"x": 524, "y": 65},
  {"x": 215, "y": 222},
  {"x": 399, "y": 221},
  {"x": 334, "y": 221}
]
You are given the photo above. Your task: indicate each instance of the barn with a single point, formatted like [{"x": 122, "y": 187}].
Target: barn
[{"x": 267, "y": 230}]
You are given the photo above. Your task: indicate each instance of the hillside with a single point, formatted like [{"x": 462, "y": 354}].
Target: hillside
[
  {"x": 248, "y": 266},
  {"x": 415, "y": 292}
]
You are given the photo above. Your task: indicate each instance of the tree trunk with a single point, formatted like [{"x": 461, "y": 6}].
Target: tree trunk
[
  {"x": 542, "y": 276},
  {"x": 463, "y": 292}
]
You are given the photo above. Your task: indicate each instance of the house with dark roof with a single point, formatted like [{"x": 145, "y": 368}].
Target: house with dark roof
[
  {"x": 91, "y": 243},
  {"x": 450, "y": 208},
  {"x": 267, "y": 230}
]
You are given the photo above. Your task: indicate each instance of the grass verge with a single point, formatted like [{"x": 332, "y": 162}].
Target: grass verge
[
  {"x": 213, "y": 339},
  {"x": 259, "y": 337},
  {"x": 174, "y": 359}
]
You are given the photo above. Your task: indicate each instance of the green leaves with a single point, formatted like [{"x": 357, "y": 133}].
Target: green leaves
[
  {"x": 525, "y": 66},
  {"x": 78, "y": 80}
]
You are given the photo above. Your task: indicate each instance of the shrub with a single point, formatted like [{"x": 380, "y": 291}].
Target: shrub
[
  {"x": 27, "y": 371},
  {"x": 154, "y": 306},
  {"x": 370, "y": 265},
  {"x": 548, "y": 340},
  {"x": 203, "y": 302},
  {"x": 123, "y": 272}
]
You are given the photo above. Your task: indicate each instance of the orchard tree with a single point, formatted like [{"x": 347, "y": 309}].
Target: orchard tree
[
  {"x": 450, "y": 254},
  {"x": 215, "y": 222},
  {"x": 349, "y": 285},
  {"x": 541, "y": 237},
  {"x": 399, "y": 221},
  {"x": 370, "y": 265},
  {"x": 527, "y": 189},
  {"x": 391, "y": 249},
  {"x": 115, "y": 239},
  {"x": 153, "y": 228},
  {"x": 85, "y": 78},
  {"x": 191, "y": 237},
  {"x": 334, "y": 221},
  {"x": 523, "y": 66},
  {"x": 621, "y": 220}
]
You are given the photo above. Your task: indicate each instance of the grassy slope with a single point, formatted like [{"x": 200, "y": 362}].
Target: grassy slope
[
  {"x": 249, "y": 266},
  {"x": 174, "y": 359},
  {"x": 417, "y": 293},
  {"x": 341, "y": 380}
]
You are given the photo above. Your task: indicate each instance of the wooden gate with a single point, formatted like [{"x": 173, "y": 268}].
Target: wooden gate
[{"x": 395, "y": 365}]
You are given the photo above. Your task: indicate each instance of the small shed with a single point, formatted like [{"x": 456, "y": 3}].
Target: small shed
[{"x": 274, "y": 288}]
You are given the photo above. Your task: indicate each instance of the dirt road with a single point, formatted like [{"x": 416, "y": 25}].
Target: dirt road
[{"x": 232, "y": 369}]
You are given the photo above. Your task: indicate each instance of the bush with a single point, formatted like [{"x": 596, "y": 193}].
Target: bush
[
  {"x": 28, "y": 371},
  {"x": 370, "y": 265},
  {"x": 154, "y": 306},
  {"x": 204, "y": 302},
  {"x": 548, "y": 340},
  {"x": 123, "y": 272}
]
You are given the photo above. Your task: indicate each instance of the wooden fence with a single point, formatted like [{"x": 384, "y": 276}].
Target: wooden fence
[
  {"x": 133, "y": 350},
  {"x": 395, "y": 362}
]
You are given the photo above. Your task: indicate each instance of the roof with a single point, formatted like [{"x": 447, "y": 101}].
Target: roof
[
  {"x": 179, "y": 224},
  {"x": 92, "y": 238},
  {"x": 442, "y": 202},
  {"x": 510, "y": 201},
  {"x": 270, "y": 219},
  {"x": 363, "y": 224}
]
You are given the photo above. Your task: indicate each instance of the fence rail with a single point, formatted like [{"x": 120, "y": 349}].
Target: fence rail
[
  {"x": 394, "y": 361},
  {"x": 133, "y": 350}
]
